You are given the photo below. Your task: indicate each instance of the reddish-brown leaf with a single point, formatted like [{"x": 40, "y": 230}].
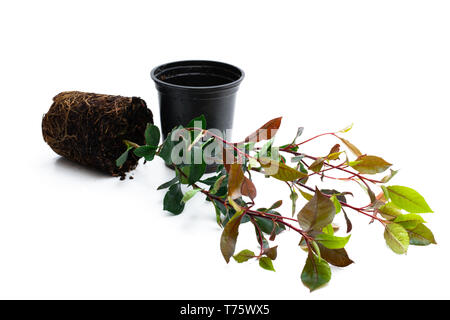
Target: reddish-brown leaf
[
  {"x": 266, "y": 132},
  {"x": 347, "y": 221},
  {"x": 248, "y": 188},
  {"x": 352, "y": 147},
  {"x": 235, "y": 179},
  {"x": 271, "y": 252},
  {"x": 337, "y": 257},
  {"x": 335, "y": 148},
  {"x": 317, "y": 213},
  {"x": 334, "y": 152},
  {"x": 229, "y": 236}
]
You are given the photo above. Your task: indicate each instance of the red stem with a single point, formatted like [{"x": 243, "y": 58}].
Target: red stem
[
  {"x": 303, "y": 142},
  {"x": 287, "y": 149},
  {"x": 260, "y": 236},
  {"x": 345, "y": 170}
]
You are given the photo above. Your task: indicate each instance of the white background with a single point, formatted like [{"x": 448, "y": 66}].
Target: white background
[{"x": 69, "y": 232}]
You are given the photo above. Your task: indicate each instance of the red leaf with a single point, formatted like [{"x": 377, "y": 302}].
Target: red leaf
[
  {"x": 248, "y": 188},
  {"x": 266, "y": 132},
  {"x": 335, "y": 149}
]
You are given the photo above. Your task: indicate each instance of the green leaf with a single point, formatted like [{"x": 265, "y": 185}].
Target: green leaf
[
  {"x": 316, "y": 272},
  {"x": 299, "y": 133},
  {"x": 336, "y": 203},
  {"x": 266, "y": 150},
  {"x": 317, "y": 165},
  {"x": 244, "y": 256},
  {"x": 276, "y": 205},
  {"x": 217, "y": 185},
  {"x": 332, "y": 242},
  {"x": 302, "y": 169},
  {"x": 409, "y": 221},
  {"x": 222, "y": 191},
  {"x": 190, "y": 173},
  {"x": 328, "y": 229},
  {"x": 196, "y": 172},
  {"x": 306, "y": 195},
  {"x": 346, "y": 129},
  {"x": 253, "y": 163},
  {"x": 387, "y": 178},
  {"x": 189, "y": 194},
  {"x": 130, "y": 144},
  {"x": 339, "y": 195},
  {"x": 229, "y": 236},
  {"x": 266, "y": 263},
  {"x": 334, "y": 156},
  {"x": 148, "y": 152},
  {"x": 421, "y": 236},
  {"x": 389, "y": 211},
  {"x": 123, "y": 157},
  {"x": 234, "y": 204},
  {"x": 267, "y": 225},
  {"x": 317, "y": 213},
  {"x": 210, "y": 181},
  {"x": 408, "y": 199},
  {"x": 385, "y": 192},
  {"x": 183, "y": 174},
  {"x": 297, "y": 158},
  {"x": 369, "y": 191},
  {"x": 249, "y": 147},
  {"x": 294, "y": 198},
  {"x": 370, "y": 164},
  {"x": 197, "y": 167},
  {"x": 334, "y": 152},
  {"x": 337, "y": 257},
  {"x": 279, "y": 170},
  {"x": 172, "y": 200},
  {"x": 316, "y": 248},
  {"x": 265, "y": 243},
  {"x": 396, "y": 238},
  {"x": 196, "y": 121},
  {"x": 218, "y": 215},
  {"x": 152, "y": 135},
  {"x": 166, "y": 149},
  {"x": 168, "y": 183},
  {"x": 220, "y": 209}
]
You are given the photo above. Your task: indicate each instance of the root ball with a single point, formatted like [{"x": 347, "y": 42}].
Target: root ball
[{"x": 89, "y": 128}]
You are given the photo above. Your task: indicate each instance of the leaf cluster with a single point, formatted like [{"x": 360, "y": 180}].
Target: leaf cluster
[{"x": 232, "y": 193}]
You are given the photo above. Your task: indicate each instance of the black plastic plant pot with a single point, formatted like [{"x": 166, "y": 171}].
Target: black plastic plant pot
[{"x": 188, "y": 89}]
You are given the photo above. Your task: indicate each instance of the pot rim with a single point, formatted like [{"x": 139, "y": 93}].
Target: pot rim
[{"x": 207, "y": 63}]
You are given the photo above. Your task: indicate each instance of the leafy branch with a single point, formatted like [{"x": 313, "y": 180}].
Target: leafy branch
[{"x": 232, "y": 193}]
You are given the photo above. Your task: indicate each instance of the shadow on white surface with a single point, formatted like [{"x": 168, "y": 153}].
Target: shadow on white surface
[{"x": 62, "y": 164}]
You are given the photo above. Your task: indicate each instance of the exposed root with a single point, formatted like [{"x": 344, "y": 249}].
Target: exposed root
[{"x": 89, "y": 128}]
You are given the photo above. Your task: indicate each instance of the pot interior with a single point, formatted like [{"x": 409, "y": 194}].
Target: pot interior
[{"x": 198, "y": 74}]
